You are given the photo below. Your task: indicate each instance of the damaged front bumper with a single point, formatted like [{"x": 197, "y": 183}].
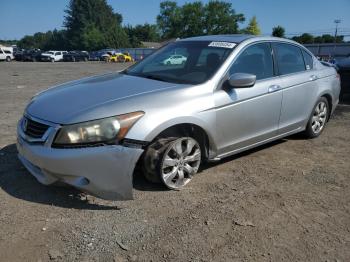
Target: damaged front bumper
[{"x": 105, "y": 171}]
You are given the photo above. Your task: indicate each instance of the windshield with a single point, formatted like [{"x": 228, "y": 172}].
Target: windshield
[{"x": 188, "y": 62}]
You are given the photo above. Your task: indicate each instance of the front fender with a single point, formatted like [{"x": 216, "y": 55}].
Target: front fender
[{"x": 150, "y": 129}]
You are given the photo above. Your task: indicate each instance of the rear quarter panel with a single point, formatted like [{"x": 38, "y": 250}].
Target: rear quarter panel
[{"x": 329, "y": 84}]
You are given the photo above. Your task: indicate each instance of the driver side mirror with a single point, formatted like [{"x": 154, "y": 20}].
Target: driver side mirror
[{"x": 241, "y": 80}]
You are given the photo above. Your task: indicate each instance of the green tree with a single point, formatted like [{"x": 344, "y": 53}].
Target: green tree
[
  {"x": 221, "y": 18},
  {"x": 304, "y": 38},
  {"x": 169, "y": 19},
  {"x": 327, "y": 38},
  {"x": 253, "y": 27},
  {"x": 133, "y": 39},
  {"x": 278, "y": 31},
  {"x": 145, "y": 33},
  {"x": 191, "y": 19},
  {"x": 92, "y": 38},
  {"x": 55, "y": 39},
  {"x": 319, "y": 40},
  {"x": 98, "y": 16},
  {"x": 8, "y": 42}
]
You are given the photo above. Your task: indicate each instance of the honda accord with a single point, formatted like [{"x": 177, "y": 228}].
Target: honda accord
[{"x": 232, "y": 93}]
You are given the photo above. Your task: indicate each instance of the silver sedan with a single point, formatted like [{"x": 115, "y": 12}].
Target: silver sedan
[{"x": 232, "y": 93}]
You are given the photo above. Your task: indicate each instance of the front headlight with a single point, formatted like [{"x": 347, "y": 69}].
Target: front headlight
[{"x": 102, "y": 131}]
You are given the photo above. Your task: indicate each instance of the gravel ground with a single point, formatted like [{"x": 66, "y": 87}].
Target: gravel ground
[{"x": 286, "y": 201}]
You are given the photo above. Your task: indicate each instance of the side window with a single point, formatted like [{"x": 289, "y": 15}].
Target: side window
[
  {"x": 256, "y": 60},
  {"x": 289, "y": 59},
  {"x": 309, "y": 62},
  {"x": 58, "y": 53}
]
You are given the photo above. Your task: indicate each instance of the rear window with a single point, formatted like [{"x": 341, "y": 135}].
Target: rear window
[
  {"x": 309, "y": 62},
  {"x": 289, "y": 59}
]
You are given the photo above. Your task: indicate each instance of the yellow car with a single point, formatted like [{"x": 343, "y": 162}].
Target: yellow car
[{"x": 121, "y": 57}]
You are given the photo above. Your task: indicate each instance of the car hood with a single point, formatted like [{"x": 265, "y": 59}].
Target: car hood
[{"x": 75, "y": 101}]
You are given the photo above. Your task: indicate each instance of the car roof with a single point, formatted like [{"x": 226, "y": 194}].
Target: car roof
[{"x": 236, "y": 38}]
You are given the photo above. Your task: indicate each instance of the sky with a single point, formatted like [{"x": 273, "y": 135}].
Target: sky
[{"x": 25, "y": 17}]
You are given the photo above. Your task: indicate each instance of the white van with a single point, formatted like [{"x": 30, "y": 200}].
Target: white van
[{"x": 6, "y": 53}]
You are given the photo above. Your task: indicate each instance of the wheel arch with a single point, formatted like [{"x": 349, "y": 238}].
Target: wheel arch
[
  {"x": 189, "y": 130},
  {"x": 328, "y": 96},
  {"x": 194, "y": 129}
]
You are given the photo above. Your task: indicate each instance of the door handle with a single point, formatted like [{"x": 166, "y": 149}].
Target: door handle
[
  {"x": 274, "y": 88},
  {"x": 313, "y": 78}
]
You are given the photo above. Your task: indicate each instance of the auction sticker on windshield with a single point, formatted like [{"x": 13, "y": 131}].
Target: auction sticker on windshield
[{"x": 222, "y": 44}]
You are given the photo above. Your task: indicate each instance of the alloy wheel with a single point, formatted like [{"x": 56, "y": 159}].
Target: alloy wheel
[
  {"x": 180, "y": 162},
  {"x": 319, "y": 117}
]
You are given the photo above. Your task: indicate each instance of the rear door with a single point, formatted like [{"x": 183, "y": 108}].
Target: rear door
[{"x": 299, "y": 84}]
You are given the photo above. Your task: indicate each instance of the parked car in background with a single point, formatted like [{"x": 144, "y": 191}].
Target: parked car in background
[
  {"x": 125, "y": 57},
  {"x": 113, "y": 57},
  {"x": 76, "y": 56},
  {"x": 19, "y": 54},
  {"x": 52, "y": 56},
  {"x": 6, "y": 54},
  {"x": 175, "y": 60},
  {"x": 106, "y": 53},
  {"x": 120, "y": 57},
  {"x": 330, "y": 65},
  {"x": 344, "y": 71},
  {"x": 105, "y": 57},
  {"x": 138, "y": 53},
  {"x": 110, "y": 56},
  {"x": 96, "y": 56},
  {"x": 33, "y": 55},
  {"x": 233, "y": 93}
]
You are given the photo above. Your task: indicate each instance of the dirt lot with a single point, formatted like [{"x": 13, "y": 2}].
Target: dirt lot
[{"x": 287, "y": 201}]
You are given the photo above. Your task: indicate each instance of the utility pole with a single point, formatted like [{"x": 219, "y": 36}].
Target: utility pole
[{"x": 336, "y": 21}]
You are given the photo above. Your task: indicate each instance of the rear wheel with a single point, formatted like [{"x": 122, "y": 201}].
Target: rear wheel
[
  {"x": 52, "y": 60},
  {"x": 318, "y": 119},
  {"x": 172, "y": 161},
  {"x": 8, "y": 59}
]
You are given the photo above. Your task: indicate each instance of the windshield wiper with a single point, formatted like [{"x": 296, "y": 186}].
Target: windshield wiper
[
  {"x": 154, "y": 77},
  {"x": 158, "y": 78}
]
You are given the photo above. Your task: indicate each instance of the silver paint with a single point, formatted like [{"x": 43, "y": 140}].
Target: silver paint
[{"x": 234, "y": 120}]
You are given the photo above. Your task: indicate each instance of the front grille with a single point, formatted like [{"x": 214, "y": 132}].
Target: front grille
[{"x": 34, "y": 129}]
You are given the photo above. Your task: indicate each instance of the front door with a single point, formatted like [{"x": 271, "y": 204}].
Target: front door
[{"x": 247, "y": 116}]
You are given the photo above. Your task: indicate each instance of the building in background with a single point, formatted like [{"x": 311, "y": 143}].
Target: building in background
[{"x": 329, "y": 50}]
